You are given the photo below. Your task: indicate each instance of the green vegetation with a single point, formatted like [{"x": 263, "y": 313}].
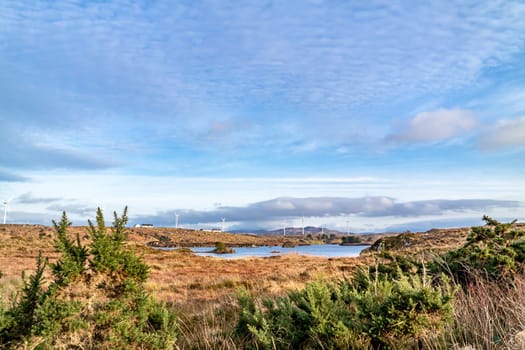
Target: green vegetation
[
  {"x": 495, "y": 251},
  {"x": 405, "y": 303},
  {"x": 92, "y": 297},
  {"x": 365, "y": 312},
  {"x": 222, "y": 248},
  {"x": 96, "y": 298},
  {"x": 351, "y": 240}
]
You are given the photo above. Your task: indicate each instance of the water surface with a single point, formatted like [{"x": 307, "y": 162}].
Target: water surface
[{"x": 322, "y": 250}]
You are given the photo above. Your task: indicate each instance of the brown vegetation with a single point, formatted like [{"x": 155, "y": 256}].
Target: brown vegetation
[
  {"x": 180, "y": 277},
  {"x": 202, "y": 289}
]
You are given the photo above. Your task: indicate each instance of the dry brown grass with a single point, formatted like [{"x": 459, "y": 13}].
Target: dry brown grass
[
  {"x": 202, "y": 289},
  {"x": 177, "y": 277},
  {"x": 186, "y": 278},
  {"x": 181, "y": 278},
  {"x": 189, "y": 238},
  {"x": 487, "y": 315}
]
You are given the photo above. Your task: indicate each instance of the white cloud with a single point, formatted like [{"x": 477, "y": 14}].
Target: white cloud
[
  {"x": 289, "y": 209},
  {"x": 439, "y": 125},
  {"x": 506, "y": 133},
  {"x": 367, "y": 200},
  {"x": 209, "y": 89}
]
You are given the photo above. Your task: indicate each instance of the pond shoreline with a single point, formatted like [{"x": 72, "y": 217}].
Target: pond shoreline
[{"x": 319, "y": 250}]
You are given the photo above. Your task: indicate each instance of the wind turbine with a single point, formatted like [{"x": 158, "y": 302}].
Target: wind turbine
[
  {"x": 176, "y": 220},
  {"x": 6, "y": 205},
  {"x": 223, "y": 221},
  {"x": 303, "y": 225}
]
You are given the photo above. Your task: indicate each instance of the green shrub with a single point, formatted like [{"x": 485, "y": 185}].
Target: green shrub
[
  {"x": 394, "y": 313},
  {"x": 365, "y": 312},
  {"x": 20, "y": 318},
  {"x": 73, "y": 258},
  {"x": 109, "y": 253},
  {"x": 97, "y": 292},
  {"x": 494, "y": 251},
  {"x": 394, "y": 265},
  {"x": 222, "y": 248},
  {"x": 5, "y": 318}
]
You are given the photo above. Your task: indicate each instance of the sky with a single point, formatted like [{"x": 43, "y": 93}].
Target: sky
[{"x": 358, "y": 116}]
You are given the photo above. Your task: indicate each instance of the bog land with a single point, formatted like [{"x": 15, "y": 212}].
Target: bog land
[
  {"x": 181, "y": 277},
  {"x": 440, "y": 289}
]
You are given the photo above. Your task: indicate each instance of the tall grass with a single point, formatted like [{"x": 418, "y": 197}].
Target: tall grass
[
  {"x": 487, "y": 315},
  {"x": 208, "y": 325}
]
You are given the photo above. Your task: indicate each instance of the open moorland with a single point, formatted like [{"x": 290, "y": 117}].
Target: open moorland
[
  {"x": 206, "y": 293},
  {"x": 180, "y": 277}
]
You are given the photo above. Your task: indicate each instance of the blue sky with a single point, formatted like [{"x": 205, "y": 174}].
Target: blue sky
[{"x": 369, "y": 116}]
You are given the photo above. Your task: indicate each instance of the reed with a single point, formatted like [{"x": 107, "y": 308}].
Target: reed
[{"x": 487, "y": 315}]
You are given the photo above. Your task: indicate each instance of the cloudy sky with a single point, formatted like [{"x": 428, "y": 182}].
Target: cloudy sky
[{"x": 366, "y": 116}]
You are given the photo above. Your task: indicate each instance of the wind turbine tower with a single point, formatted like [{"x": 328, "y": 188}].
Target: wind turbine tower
[
  {"x": 6, "y": 204},
  {"x": 303, "y": 225},
  {"x": 223, "y": 221},
  {"x": 176, "y": 220}
]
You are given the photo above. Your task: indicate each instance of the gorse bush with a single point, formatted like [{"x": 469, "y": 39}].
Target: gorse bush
[
  {"x": 394, "y": 313},
  {"x": 72, "y": 262},
  {"x": 315, "y": 317},
  {"x": 495, "y": 251},
  {"x": 365, "y": 312},
  {"x": 96, "y": 299},
  {"x": 20, "y": 318},
  {"x": 108, "y": 253}
]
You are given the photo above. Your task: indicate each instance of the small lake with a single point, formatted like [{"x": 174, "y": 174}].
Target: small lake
[{"x": 322, "y": 250}]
